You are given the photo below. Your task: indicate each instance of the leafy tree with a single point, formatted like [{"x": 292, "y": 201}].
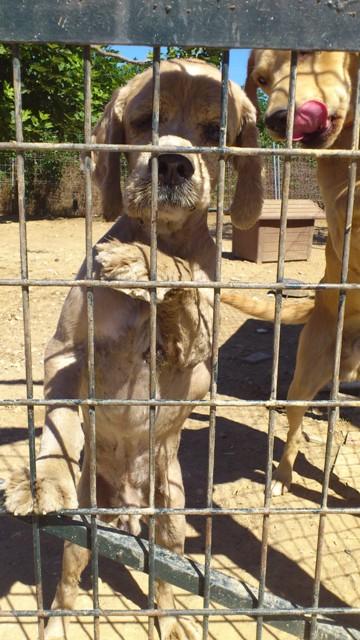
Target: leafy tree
[
  {"x": 265, "y": 138},
  {"x": 202, "y": 53},
  {"x": 53, "y": 105},
  {"x": 52, "y": 90}
]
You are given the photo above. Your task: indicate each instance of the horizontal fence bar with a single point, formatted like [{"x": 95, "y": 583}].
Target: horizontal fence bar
[
  {"x": 155, "y": 148},
  {"x": 116, "y": 402},
  {"x": 182, "y": 284},
  {"x": 188, "y": 511},
  {"x": 206, "y": 511},
  {"x": 186, "y": 23},
  {"x": 158, "y": 613}
]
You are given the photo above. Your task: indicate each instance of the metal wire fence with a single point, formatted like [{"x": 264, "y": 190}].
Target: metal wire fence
[
  {"x": 55, "y": 186},
  {"x": 260, "y": 610}
]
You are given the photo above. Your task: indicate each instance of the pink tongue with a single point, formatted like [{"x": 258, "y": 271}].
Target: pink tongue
[{"x": 310, "y": 117}]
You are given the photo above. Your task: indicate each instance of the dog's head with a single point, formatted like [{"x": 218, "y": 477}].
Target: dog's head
[
  {"x": 189, "y": 116},
  {"x": 323, "y": 93}
]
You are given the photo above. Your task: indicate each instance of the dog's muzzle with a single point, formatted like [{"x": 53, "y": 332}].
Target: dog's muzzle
[{"x": 175, "y": 187}]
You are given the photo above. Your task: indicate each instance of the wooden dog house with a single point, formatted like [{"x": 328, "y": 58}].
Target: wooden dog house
[{"x": 260, "y": 243}]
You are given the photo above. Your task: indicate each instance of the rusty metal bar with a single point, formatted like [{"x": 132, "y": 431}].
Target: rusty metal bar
[
  {"x": 90, "y": 338},
  {"x": 27, "y": 329},
  {"x": 269, "y": 404},
  {"x": 332, "y": 630},
  {"x": 215, "y": 333},
  {"x": 213, "y": 511},
  {"x": 277, "y": 333},
  {"x": 334, "y": 411},
  {"x": 153, "y": 331},
  {"x": 294, "y": 612},
  {"x": 184, "y": 284},
  {"x": 150, "y": 148}
]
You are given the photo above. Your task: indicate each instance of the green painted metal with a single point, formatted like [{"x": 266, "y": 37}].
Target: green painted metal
[
  {"x": 282, "y": 24},
  {"x": 182, "y": 572}
]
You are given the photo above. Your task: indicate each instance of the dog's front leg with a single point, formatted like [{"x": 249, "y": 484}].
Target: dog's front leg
[
  {"x": 170, "y": 533},
  {"x": 62, "y": 437},
  {"x": 120, "y": 261}
]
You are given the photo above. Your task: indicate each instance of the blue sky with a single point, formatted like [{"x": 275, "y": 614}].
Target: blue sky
[{"x": 238, "y": 60}]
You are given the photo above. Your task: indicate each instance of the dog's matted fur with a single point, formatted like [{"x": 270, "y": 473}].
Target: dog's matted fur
[
  {"x": 189, "y": 115},
  {"x": 324, "y": 114}
]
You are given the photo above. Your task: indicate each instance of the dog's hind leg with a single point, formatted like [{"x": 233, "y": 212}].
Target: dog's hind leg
[
  {"x": 170, "y": 533},
  {"x": 75, "y": 560},
  {"x": 314, "y": 363}
]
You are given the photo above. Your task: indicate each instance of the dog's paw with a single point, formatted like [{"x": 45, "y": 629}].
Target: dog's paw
[
  {"x": 18, "y": 498},
  {"x": 278, "y": 488},
  {"x": 56, "y": 628},
  {"x": 281, "y": 481},
  {"x": 121, "y": 261},
  {"x": 179, "y": 628},
  {"x": 51, "y": 493}
]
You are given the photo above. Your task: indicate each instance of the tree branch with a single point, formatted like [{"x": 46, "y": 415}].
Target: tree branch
[{"x": 113, "y": 54}]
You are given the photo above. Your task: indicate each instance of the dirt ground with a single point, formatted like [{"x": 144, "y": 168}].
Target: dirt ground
[{"x": 56, "y": 248}]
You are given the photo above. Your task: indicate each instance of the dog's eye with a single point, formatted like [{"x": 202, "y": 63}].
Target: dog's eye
[
  {"x": 142, "y": 122},
  {"x": 261, "y": 80},
  {"x": 212, "y": 131}
]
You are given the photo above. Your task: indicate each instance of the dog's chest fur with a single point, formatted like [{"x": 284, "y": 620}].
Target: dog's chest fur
[
  {"x": 122, "y": 341},
  {"x": 122, "y": 370}
]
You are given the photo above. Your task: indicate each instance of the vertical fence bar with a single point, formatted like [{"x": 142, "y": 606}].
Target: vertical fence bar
[
  {"x": 276, "y": 343},
  {"x": 153, "y": 328},
  {"x": 90, "y": 336},
  {"x": 334, "y": 412},
  {"x": 27, "y": 328},
  {"x": 215, "y": 334}
]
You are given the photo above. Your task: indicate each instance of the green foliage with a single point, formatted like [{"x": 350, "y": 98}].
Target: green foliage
[
  {"x": 52, "y": 90},
  {"x": 202, "y": 53},
  {"x": 265, "y": 138},
  {"x": 53, "y": 102}
]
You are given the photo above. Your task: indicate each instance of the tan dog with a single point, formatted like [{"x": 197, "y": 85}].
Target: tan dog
[
  {"x": 323, "y": 118},
  {"x": 189, "y": 115}
]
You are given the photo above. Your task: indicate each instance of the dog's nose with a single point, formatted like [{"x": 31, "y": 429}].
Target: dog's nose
[
  {"x": 276, "y": 121},
  {"x": 174, "y": 168}
]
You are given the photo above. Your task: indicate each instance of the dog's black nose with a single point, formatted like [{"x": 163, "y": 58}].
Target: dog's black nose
[
  {"x": 276, "y": 121},
  {"x": 174, "y": 168}
]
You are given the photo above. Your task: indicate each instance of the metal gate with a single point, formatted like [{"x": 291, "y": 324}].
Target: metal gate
[{"x": 279, "y": 24}]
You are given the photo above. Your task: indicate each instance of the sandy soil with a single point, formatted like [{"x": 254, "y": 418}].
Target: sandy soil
[{"x": 56, "y": 248}]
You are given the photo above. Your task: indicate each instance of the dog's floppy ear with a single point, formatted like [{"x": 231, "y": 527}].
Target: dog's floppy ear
[
  {"x": 248, "y": 198},
  {"x": 110, "y": 130}
]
